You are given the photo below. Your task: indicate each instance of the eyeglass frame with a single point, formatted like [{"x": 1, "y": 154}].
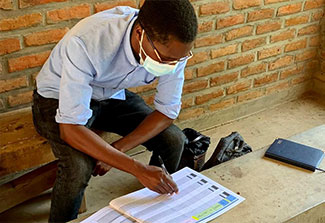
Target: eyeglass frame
[{"x": 157, "y": 52}]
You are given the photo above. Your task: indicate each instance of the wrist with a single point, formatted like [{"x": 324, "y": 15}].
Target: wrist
[{"x": 138, "y": 168}]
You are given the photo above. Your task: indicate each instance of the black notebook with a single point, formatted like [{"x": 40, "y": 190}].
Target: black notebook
[{"x": 294, "y": 153}]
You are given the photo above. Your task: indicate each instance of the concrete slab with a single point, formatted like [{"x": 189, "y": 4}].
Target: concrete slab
[{"x": 258, "y": 130}]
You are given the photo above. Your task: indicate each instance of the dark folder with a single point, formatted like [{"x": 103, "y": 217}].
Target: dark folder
[{"x": 294, "y": 153}]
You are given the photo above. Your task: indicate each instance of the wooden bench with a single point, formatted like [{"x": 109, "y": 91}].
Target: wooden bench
[{"x": 27, "y": 164}]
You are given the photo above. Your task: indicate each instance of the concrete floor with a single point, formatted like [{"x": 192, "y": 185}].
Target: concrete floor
[{"x": 258, "y": 130}]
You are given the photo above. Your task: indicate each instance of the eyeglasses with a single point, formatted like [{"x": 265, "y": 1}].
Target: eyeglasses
[{"x": 167, "y": 62}]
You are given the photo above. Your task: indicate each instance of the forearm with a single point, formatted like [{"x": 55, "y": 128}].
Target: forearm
[
  {"x": 151, "y": 126},
  {"x": 86, "y": 141}
]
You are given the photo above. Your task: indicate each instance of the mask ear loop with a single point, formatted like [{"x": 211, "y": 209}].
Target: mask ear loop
[{"x": 141, "y": 48}]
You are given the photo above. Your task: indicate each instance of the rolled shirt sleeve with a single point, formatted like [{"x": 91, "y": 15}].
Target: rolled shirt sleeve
[
  {"x": 75, "y": 90},
  {"x": 169, "y": 92}
]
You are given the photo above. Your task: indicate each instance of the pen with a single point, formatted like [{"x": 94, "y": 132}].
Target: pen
[{"x": 162, "y": 164}]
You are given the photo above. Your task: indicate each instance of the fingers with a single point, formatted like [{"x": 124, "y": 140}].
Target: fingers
[
  {"x": 171, "y": 184},
  {"x": 95, "y": 171},
  {"x": 166, "y": 185},
  {"x": 100, "y": 169}
]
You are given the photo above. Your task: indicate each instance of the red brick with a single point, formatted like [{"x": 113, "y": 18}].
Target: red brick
[
  {"x": 111, "y": 4},
  {"x": 260, "y": 14},
  {"x": 45, "y": 37},
  {"x": 198, "y": 58},
  {"x": 312, "y": 4},
  {"x": 253, "y": 43},
  {"x": 187, "y": 102},
  {"x": 223, "y": 79},
  {"x": 231, "y": 49},
  {"x": 223, "y": 104},
  {"x": 11, "y": 84},
  {"x": 313, "y": 29},
  {"x": 243, "y": 4},
  {"x": 190, "y": 113},
  {"x": 205, "y": 26},
  {"x": 29, "y": 61},
  {"x": 74, "y": 12},
  {"x": 214, "y": 8},
  {"x": 316, "y": 16},
  {"x": 189, "y": 73},
  {"x": 265, "y": 79},
  {"x": 238, "y": 87},
  {"x": 277, "y": 87},
  {"x": 28, "y": 3},
  {"x": 251, "y": 70},
  {"x": 281, "y": 62},
  {"x": 210, "y": 69},
  {"x": 20, "y": 22},
  {"x": 2, "y": 104},
  {"x": 207, "y": 97},
  {"x": 270, "y": 52},
  {"x": 274, "y": 1},
  {"x": 250, "y": 95},
  {"x": 296, "y": 45},
  {"x": 289, "y": 9},
  {"x": 9, "y": 45},
  {"x": 309, "y": 54},
  {"x": 20, "y": 99},
  {"x": 6, "y": 4},
  {"x": 297, "y": 20},
  {"x": 195, "y": 86},
  {"x": 314, "y": 41},
  {"x": 145, "y": 88},
  {"x": 268, "y": 27},
  {"x": 241, "y": 60},
  {"x": 208, "y": 40},
  {"x": 300, "y": 79},
  {"x": 34, "y": 79},
  {"x": 289, "y": 34},
  {"x": 312, "y": 65},
  {"x": 291, "y": 71},
  {"x": 230, "y": 21},
  {"x": 1, "y": 69},
  {"x": 239, "y": 32}
]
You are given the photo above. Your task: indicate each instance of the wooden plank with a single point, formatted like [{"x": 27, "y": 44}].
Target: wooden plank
[
  {"x": 21, "y": 147},
  {"x": 83, "y": 206},
  {"x": 22, "y": 156},
  {"x": 27, "y": 186},
  {"x": 15, "y": 127}
]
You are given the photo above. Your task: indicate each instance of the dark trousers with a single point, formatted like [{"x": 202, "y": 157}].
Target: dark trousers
[{"x": 75, "y": 168}]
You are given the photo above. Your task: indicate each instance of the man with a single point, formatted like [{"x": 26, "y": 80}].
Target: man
[{"x": 81, "y": 88}]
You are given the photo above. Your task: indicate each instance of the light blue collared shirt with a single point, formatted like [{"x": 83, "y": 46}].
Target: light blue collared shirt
[{"x": 94, "y": 60}]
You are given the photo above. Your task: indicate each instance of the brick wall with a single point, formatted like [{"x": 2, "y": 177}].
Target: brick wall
[
  {"x": 319, "y": 80},
  {"x": 246, "y": 50}
]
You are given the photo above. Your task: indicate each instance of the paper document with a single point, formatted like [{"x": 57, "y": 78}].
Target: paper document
[
  {"x": 200, "y": 199},
  {"x": 107, "y": 214}
]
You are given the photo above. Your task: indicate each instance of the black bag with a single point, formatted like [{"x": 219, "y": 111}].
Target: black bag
[
  {"x": 228, "y": 148},
  {"x": 195, "y": 149}
]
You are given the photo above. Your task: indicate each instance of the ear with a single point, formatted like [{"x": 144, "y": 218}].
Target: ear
[{"x": 138, "y": 31}]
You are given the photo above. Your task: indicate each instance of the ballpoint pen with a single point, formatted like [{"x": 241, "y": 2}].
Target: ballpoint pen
[
  {"x": 164, "y": 168},
  {"x": 162, "y": 164}
]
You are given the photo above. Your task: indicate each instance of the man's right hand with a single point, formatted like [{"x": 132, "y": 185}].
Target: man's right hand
[{"x": 156, "y": 179}]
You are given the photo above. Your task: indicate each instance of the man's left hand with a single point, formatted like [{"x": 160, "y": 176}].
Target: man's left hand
[{"x": 101, "y": 169}]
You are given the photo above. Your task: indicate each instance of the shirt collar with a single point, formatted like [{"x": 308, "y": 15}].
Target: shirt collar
[{"x": 127, "y": 43}]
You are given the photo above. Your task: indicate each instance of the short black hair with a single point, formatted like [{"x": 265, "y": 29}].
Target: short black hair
[{"x": 164, "y": 18}]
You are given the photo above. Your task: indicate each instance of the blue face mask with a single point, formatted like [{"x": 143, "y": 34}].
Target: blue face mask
[{"x": 154, "y": 67}]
